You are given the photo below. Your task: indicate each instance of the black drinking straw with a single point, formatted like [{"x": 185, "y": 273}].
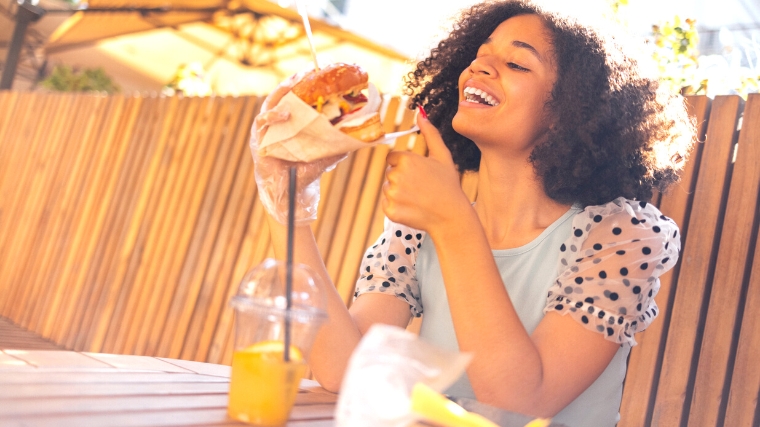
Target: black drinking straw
[{"x": 289, "y": 260}]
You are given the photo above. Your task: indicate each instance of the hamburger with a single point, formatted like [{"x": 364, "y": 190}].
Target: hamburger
[{"x": 342, "y": 93}]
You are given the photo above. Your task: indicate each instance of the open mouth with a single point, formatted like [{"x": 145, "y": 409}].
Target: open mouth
[{"x": 478, "y": 96}]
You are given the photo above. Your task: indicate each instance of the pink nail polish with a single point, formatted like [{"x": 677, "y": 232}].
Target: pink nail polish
[{"x": 422, "y": 112}]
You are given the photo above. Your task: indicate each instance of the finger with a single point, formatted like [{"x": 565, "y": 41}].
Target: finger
[
  {"x": 437, "y": 149},
  {"x": 394, "y": 157}
]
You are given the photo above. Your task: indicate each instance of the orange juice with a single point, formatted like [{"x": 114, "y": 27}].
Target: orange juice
[{"x": 263, "y": 386}]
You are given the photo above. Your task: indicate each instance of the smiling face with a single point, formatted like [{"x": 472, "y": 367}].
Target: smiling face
[{"x": 503, "y": 92}]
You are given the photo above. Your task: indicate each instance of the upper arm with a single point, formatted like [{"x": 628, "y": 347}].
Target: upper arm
[{"x": 373, "y": 308}]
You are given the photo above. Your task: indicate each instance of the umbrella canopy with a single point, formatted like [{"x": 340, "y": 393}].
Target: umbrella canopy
[{"x": 245, "y": 47}]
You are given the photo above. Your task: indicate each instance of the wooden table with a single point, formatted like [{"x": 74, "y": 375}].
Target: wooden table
[{"x": 66, "y": 388}]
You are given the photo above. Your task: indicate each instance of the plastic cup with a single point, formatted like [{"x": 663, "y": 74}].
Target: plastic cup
[{"x": 264, "y": 385}]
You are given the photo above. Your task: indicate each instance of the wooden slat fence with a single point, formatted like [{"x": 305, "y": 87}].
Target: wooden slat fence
[{"x": 126, "y": 223}]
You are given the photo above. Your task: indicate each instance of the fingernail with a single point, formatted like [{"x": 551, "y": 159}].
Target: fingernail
[{"x": 422, "y": 112}]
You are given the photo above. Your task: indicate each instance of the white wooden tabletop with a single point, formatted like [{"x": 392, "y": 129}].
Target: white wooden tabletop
[{"x": 67, "y": 388}]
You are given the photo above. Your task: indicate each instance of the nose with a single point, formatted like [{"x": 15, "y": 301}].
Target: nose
[{"x": 482, "y": 65}]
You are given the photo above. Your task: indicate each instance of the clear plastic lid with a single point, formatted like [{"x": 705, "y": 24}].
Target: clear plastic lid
[{"x": 263, "y": 290}]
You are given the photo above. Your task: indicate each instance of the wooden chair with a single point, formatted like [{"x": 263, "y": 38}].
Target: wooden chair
[{"x": 698, "y": 365}]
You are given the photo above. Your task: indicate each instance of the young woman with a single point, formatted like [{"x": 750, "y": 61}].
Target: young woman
[{"x": 550, "y": 273}]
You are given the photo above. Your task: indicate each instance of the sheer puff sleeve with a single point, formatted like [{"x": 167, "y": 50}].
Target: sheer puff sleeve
[
  {"x": 389, "y": 266},
  {"x": 610, "y": 266}
]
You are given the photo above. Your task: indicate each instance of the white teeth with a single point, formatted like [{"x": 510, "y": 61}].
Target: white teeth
[{"x": 479, "y": 96}]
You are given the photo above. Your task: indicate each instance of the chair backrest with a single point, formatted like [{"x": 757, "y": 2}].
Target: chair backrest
[{"x": 698, "y": 365}]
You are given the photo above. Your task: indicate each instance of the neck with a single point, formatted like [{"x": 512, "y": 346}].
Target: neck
[{"x": 511, "y": 203}]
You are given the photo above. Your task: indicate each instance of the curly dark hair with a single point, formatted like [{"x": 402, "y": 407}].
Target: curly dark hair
[{"x": 613, "y": 134}]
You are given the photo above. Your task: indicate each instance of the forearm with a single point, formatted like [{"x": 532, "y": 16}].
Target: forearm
[
  {"x": 339, "y": 335},
  {"x": 507, "y": 369}
]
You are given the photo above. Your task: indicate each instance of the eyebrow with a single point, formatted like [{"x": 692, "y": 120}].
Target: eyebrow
[{"x": 523, "y": 45}]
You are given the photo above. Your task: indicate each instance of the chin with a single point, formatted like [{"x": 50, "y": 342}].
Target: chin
[{"x": 465, "y": 127}]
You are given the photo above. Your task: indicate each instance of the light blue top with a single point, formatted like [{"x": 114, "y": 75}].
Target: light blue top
[{"x": 599, "y": 265}]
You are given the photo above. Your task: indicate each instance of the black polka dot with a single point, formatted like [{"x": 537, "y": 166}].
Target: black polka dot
[
  {"x": 591, "y": 310},
  {"x": 383, "y": 242},
  {"x": 675, "y": 233},
  {"x": 402, "y": 295},
  {"x": 402, "y": 269},
  {"x": 650, "y": 292},
  {"x": 398, "y": 233},
  {"x": 408, "y": 237},
  {"x": 597, "y": 218},
  {"x": 584, "y": 319},
  {"x": 589, "y": 300},
  {"x": 666, "y": 259},
  {"x": 638, "y": 308},
  {"x": 616, "y": 231},
  {"x": 637, "y": 290},
  {"x": 666, "y": 245},
  {"x": 370, "y": 277},
  {"x": 578, "y": 232},
  {"x": 601, "y": 314},
  {"x": 386, "y": 284},
  {"x": 644, "y": 266},
  {"x": 418, "y": 236},
  {"x": 610, "y": 331},
  {"x": 419, "y": 245},
  {"x": 624, "y": 271},
  {"x": 635, "y": 221},
  {"x": 408, "y": 251},
  {"x": 392, "y": 279},
  {"x": 559, "y": 307},
  {"x": 603, "y": 274},
  {"x": 563, "y": 248},
  {"x": 645, "y": 250},
  {"x": 620, "y": 252},
  {"x": 367, "y": 269},
  {"x": 578, "y": 304},
  {"x": 643, "y": 204},
  {"x": 620, "y": 320},
  {"x": 656, "y": 229},
  {"x": 597, "y": 246},
  {"x": 579, "y": 260},
  {"x": 614, "y": 296},
  {"x": 579, "y": 280},
  {"x": 370, "y": 256},
  {"x": 391, "y": 258}
]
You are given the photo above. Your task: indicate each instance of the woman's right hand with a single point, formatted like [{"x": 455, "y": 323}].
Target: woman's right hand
[{"x": 272, "y": 174}]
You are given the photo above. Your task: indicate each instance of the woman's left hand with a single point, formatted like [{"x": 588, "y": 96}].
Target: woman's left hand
[{"x": 423, "y": 192}]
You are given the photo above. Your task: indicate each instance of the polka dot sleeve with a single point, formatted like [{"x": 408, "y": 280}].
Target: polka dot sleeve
[
  {"x": 610, "y": 266},
  {"x": 389, "y": 266}
]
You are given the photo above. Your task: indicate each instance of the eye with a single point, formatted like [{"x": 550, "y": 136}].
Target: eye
[{"x": 514, "y": 66}]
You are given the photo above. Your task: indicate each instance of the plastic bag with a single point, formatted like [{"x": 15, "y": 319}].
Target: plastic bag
[{"x": 382, "y": 372}]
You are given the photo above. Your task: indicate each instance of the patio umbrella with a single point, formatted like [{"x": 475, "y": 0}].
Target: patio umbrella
[{"x": 245, "y": 47}]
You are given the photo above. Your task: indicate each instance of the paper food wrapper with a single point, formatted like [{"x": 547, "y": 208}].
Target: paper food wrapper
[{"x": 309, "y": 136}]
